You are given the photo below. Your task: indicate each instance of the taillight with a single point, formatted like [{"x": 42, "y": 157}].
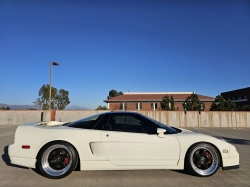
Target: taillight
[{"x": 25, "y": 147}]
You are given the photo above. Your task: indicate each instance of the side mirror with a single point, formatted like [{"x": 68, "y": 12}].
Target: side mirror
[{"x": 160, "y": 132}]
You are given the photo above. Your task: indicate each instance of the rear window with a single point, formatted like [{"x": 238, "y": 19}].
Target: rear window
[{"x": 87, "y": 123}]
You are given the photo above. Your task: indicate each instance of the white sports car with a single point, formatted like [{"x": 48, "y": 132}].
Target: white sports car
[{"x": 118, "y": 141}]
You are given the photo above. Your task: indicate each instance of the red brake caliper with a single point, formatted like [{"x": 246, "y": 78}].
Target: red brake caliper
[
  {"x": 208, "y": 154},
  {"x": 66, "y": 160}
]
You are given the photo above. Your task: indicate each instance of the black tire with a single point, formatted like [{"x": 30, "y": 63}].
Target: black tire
[
  {"x": 202, "y": 160},
  {"x": 57, "y": 160}
]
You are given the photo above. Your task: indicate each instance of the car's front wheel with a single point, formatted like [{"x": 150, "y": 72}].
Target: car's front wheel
[
  {"x": 57, "y": 160},
  {"x": 202, "y": 160}
]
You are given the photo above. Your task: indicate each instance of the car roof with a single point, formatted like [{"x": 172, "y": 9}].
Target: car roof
[{"x": 122, "y": 112}]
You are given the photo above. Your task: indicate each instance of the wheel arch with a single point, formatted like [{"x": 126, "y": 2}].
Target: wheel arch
[
  {"x": 56, "y": 141},
  {"x": 221, "y": 161}
]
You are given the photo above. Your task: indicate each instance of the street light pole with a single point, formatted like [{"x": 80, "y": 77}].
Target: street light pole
[{"x": 55, "y": 64}]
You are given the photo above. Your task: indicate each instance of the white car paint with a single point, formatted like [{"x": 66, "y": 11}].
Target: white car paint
[
  {"x": 139, "y": 149},
  {"x": 117, "y": 151}
]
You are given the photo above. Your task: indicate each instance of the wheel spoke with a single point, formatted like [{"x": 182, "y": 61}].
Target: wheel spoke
[
  {"x": 53, "y": 165},
  {"x": 59, "y": 151},
  {"x": 64, "y": 155},
  {"x": 205, "y": 165},
  {"x": 209, "y": 159},
  {"x": 61, "y": 164},
  {"x": 53, "y": 160},
  {"x": 197, "y": 155},
  {"x": 51, "y": 157},
  {"x": 198, "y": 163},
  {"x": 204, "y": 152}
]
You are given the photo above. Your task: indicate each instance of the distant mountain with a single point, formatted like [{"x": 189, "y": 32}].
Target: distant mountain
[
  {"x": 75, "y": 107},
  {"x": 20, "y": 107},
  {"x": 32, "y": 107}
]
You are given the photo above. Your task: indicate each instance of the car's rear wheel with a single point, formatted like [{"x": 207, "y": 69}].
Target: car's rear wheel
[
  {"x": 57, "y": 160},
  {"x": 202, "y": 160}
]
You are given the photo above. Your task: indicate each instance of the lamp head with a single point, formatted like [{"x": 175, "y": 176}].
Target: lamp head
[{"x": 55, "y": 63}]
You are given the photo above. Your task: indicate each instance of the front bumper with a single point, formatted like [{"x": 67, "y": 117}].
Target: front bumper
[
  {"x": 231, "y": 167},
  {"x": 233, "y": 161}
]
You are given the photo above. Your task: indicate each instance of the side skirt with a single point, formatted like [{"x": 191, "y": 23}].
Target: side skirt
[{"x": 107, "y": 165}]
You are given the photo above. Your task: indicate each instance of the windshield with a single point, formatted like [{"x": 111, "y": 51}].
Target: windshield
[
  {"x": 161, "y": 125},
  {"x": 87, "y": 123}
]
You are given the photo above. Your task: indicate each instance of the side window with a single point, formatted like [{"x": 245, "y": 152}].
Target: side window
[
  {"x": 102, "y": 123},
  {"x": 87, "y": 123},
  {"x": 130, "y": 123}
]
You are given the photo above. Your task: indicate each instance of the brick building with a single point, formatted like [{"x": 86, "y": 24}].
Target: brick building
[
  {"x": 151, "y": 100},
  {"x": 240, "y": 97}
]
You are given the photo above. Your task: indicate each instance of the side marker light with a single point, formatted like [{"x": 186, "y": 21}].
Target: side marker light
[{"x": 25, "y": 147}]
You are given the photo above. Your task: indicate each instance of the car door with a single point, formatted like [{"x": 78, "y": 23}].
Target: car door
[{"x": 129, "y": 139}]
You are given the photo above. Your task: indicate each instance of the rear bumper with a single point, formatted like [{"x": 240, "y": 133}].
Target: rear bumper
[
  {"x": 12, "y": 150},
  {"x": 26, "y": 162},
  {"x": 14, "y": 159}
]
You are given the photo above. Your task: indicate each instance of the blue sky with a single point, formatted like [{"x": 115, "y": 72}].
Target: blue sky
[{"x": 140, "y": 46}]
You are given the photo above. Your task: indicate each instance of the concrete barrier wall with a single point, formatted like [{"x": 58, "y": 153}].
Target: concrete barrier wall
[
  {"x": 170, "y": 118},
  {"x": 73, "y": 115},
  {"x": 176, "y": 118},
  {"x": 18, "y": 117},
  {"x": 204, "y": 119}
]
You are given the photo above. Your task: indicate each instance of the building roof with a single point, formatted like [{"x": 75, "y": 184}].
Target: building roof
[
  {"x": 147, "y": 97},
  {"x": 241, "y": 89}
]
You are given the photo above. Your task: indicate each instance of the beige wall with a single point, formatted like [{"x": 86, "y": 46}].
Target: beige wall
[
  {"x": 18, "y": 117},
  {"x": 73, "y": 115},
  {"x": 205, "y": 119},
  {"x": 170, "y": 118}
]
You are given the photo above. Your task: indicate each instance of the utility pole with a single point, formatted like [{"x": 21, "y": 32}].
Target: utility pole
[{"x": 51, "y": 64}]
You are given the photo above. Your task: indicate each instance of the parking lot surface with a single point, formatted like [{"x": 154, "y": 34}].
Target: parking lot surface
[{"x": 12, "y": 175}]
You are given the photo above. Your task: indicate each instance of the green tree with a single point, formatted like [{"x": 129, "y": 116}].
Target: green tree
[
  {"x": 230, "y": 105},
  {"x": 8, "y": 108},
  {"x": 62, "y": 99},
  {"x": 59, "y": 99},
  {"x": 114, "y": 93},
  {"x": 192, "y": 103},
  {"x": 244, "y": 108},
  {"x": 172, "y": 103},
  {"x": 102, "y": 108},
  {"x": 220, "y": 104},
  {"x": 165, "y": 103}
]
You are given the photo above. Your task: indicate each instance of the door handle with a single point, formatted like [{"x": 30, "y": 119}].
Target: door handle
[{"x": 107, "y": 135}]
